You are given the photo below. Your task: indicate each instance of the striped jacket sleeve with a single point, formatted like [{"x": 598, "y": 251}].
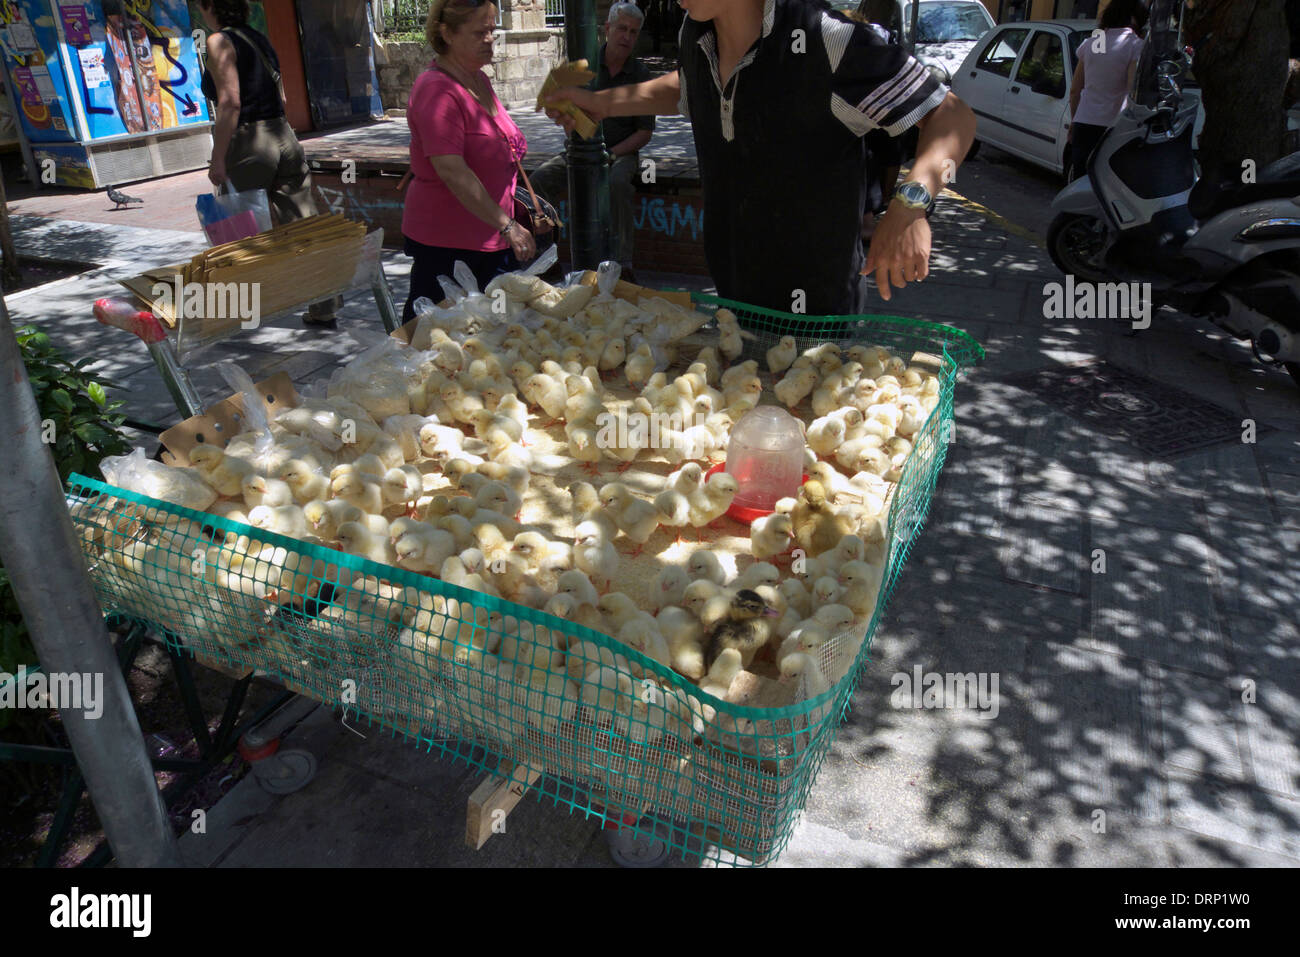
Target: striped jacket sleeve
[{"x": 875, "y": 84}]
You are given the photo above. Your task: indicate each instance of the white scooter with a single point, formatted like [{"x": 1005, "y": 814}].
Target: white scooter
[{"x": 1229, "y": 252}]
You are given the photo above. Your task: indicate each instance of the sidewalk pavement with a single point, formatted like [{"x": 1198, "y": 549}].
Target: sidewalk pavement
[{"x": 1148, "y": 715}]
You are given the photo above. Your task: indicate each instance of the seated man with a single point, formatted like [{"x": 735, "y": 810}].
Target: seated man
[{"x": 623, "y": 135}]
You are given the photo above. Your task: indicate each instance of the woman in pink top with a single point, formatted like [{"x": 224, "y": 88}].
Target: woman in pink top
[
  {"x": 464, "y": 148},
  {"x": 1102, "y": 79}
]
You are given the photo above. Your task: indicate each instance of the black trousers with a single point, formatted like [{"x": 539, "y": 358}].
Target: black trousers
[
  {"x": 1084, "y": 139},
  {"x": 430, "y": 262}
]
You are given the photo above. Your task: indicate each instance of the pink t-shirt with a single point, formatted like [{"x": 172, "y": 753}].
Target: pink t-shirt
[{"x": 445, "y": 120}]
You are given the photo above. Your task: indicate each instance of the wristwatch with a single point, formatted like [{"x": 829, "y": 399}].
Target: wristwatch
[
  {"x": 914, "y": 195},
  {"x": 506, "y": 228}
]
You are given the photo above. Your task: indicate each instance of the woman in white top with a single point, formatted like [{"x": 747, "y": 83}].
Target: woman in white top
[{"x": 1103, "y": 78}]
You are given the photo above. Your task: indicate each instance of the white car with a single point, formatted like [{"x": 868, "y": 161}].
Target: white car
[
  {"x": 1017, "y": 80},
  {"x": 946, "y": 30}
]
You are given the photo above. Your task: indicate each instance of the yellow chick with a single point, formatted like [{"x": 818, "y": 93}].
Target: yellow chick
[
  {"x": 635, "y": 518},
  {"x": 225, "y": 473},
  {"x": 782, "y": 354},
  {"x": 259, "y": 490},
  {"x": 861, "y": 583},
  {"x": 796, "y": 385},
  {"x": 356, "y": 539},
  {"x": 817, "y": 526},
  {"x": 712, "y": 500},
  {"x": 402, "y": 487},
  {"x": 703, "y": 565},
  {"x": 640, "y": 366},
  {"x": 594, "y": 555},
  {"x": 669, "y": 586},
  {"x": 770, "y": 535},
  {"x": 355, "y": 488},
  {"x": 707, "y": 601}
]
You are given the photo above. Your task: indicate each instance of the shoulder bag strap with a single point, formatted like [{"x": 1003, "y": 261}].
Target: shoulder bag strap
[{"x": 266, "y": 61}]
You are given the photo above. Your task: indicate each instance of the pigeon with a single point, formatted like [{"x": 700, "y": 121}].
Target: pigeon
[{"x": 121, "y": 199}]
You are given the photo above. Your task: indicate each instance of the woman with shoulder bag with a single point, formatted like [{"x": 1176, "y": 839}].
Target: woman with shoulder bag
[
  {"x": 465, "y": 159},
  {"x": 253, "y": 145}
]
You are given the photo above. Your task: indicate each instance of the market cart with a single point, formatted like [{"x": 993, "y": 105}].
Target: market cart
[{"x": 666, "y": 766}]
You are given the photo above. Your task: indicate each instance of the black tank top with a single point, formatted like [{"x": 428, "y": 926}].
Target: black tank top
[{"x": 259, "y": 96}]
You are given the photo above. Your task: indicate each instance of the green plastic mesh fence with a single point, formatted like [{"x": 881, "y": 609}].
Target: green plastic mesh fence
[{"x": 501, "y": 686}]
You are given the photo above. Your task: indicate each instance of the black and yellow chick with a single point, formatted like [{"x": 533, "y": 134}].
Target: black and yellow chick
[{"x": 747, "y": 628}]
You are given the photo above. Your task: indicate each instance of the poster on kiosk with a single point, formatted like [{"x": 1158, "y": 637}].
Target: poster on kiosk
[{"x": 111, "y": 69}]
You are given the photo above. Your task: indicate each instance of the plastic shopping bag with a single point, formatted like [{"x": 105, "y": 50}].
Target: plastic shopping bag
[{"x": 229, "y": 216}]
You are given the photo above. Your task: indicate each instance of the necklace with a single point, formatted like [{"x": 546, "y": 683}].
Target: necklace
[{"x": 478, "y": 95}]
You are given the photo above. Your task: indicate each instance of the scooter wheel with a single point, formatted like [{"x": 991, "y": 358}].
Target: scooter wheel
[{"x": 1076, "y": 244}]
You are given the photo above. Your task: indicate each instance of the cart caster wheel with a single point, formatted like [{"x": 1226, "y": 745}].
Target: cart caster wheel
[
  {"x": 285, "y": 771},
  {"x": 630, "y": 849}
]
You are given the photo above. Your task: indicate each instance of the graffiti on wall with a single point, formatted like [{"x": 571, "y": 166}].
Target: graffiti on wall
[
  {"x": 360, "y": 204},
  {"x": 658, "y": 215}
]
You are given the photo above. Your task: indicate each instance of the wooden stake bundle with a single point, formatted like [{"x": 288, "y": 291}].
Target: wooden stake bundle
[
  {"x": 569, "y": 74},
  {"x": 294, "y": 263}
]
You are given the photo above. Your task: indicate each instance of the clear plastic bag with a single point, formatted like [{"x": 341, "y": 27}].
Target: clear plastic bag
[
  {"x": 138, "y": 473},
  {"x": 226, "y": 217},
  {"x": 378, "y": 379}
]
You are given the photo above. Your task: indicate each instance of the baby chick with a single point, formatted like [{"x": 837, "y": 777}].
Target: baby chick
[
  {"x": 684, "y": 634},
  {"x": 712, "y": 500},
  {"x": 516, "y": 478},
  {"x": 705, "y": 566},
  {"x": 356, "y": 539},
  {"x": 304, "y": 482},
  {"x": 826, "y": 434},
  {"x": 756, "y": 576},
  {"x": 225, "y": 473},
  {"x": 770, "y": 535},
  {"x": 796, "y": 385},
  {"x": 861, "y": 583},
  {"x": 669, "y": 586},
  {"x": 587, "y": 508},
  {"x": 802, "y": 668},
  {"x": 594, "y": 555},
  {"x": 686, "y": 479},
  {"x": 577, "y": 585},
  {"x": 707, "y": 601},
  {"x": 283, "y": 520},
  {"x": 640, "y": 366},
  {"x": 635, "y": 518},
  {"x": 259, "y": 490},
  {"x": 402, "y": 487},
  {"x": 355, "y": 489},
  {"x": 782, "y": 354},
  {"x": 746, "y": 629},
  {"x": 498, "y": 497},
  {"x": 817, "y": 526}
]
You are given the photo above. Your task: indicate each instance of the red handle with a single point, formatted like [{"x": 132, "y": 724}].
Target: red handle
[{"x": 123, "y": 315}]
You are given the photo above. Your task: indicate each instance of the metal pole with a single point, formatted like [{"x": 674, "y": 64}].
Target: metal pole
[
  {"x": 589, "y": 220},
  {"x": 39, "y": 549},
  {"x": 916, "y": 18}
]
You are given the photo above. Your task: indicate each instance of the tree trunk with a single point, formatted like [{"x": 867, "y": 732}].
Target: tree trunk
[
  {"x": 1241, "y": 62},
  {"x": 10, "y": 276}
]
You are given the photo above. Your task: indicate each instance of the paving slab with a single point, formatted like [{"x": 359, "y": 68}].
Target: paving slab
[
  {"x": 1234, "y": 813},
  {"x": 1093, "y": 732},
  {"x": 1169, "y": 618}
]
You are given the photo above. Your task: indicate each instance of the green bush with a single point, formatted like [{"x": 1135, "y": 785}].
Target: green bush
[{"x": 84, "y": 428}]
